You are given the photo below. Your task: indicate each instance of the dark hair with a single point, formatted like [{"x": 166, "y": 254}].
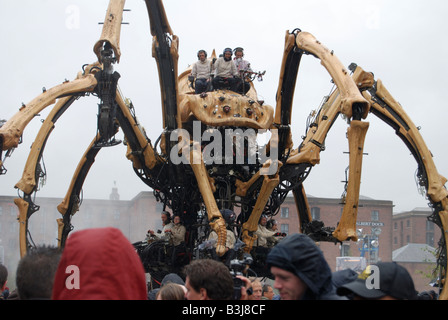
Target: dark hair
[
  {"x": 227, "y": 50},
  {"x": 238, "y": 49},
  {"x": 168, "y": 215},
  {"x": 265, "y": 288},
  {"x": 211, "y": 275},
  {"x": 180, "y": 218},
  {"x": 202, "y": 51},
  {"x": 36, "y": 272},
  {"x": 3, "y": 275},
  {"x": 271, "y": 223}
]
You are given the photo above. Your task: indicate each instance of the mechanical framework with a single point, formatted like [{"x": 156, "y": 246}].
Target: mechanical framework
[{"x": 197, "y": 186}]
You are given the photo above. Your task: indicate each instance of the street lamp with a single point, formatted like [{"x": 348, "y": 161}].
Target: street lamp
[{"x": 368, "y": 243}]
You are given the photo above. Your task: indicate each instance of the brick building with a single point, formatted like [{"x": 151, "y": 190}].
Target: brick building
[
  {"x": 414, "y": 227},
  {"x": 414, "y": 240},
  {"x": 374, "y": 225}
]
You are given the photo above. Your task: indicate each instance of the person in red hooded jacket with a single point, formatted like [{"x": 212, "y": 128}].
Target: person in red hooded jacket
[{"x": 99, "y": 264}]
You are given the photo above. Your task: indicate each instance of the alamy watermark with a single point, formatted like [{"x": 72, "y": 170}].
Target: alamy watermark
[
  {"x": 373, "y": 280},
  {"x": 240, "y": 147},
  {"x": 73, "y": 280}
]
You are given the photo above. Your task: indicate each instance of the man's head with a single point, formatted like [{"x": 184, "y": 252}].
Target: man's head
[
  {"x": 166, "y": 217},
  {"x": 257, "y": 290},
  {"x": 290, "y": 286},
  {"x": 383, "y": 281},
  {"x": 176, "y": 220},
  {"x": 263, "y": 220},
  {"x": 272, "y": 225},
  {"x": 202, "y": 55},
  {"x": 268, "y": 292},
  {"x": 36, "y": 272},
  {"x": 300, "y": 269},
  {"x": 208, "y": 279},
  {"x": 239, "y": 52},
  {"x": 227, "y": 54},
  {"x": 3, "y": 277}
]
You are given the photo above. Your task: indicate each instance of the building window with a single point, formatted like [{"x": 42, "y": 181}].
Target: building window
[
  {"x": 408, "y": 239},
  {"x": 430, "y": 239},
  {"x": 375, "y": 215},
  {"x": 395, "y": 240},
  {"x": 373, "y": 256},
  {"x": 395, "y": 226},
  {"x": 315, "y": 213},
  {"x": 408, "y": 223},
  {"x": 429, "y": 225},
  {"x": 285, "y": 212},
  {"x": 284, "y": 228},
  {"x": 116, "y": 214},
  {"x": 345, "y": 250}
]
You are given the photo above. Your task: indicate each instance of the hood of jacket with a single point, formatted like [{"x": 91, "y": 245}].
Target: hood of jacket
[
  {"x": 299, "y": 254},
  {"x": 99, "y": 264}
]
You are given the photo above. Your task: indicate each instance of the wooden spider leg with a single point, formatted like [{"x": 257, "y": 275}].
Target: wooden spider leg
[
  {"x": 353, "y": 104},
  {"x": 390, "y": 111},
  {"x": 347, "y": 100},
  {"x": 165, "y": 51},
  {"x": 356, "y": 133},
  {"x": 70, "y": 204},
  {"x": 311, "y": 147},
  {"x": 217, "y": 223},
  {"x": 12, "y": 130},
  {"x": 28, "y": 182},
  {"x": 251, "y": 225},
  {"x": 346, "y": 229},
  {"x": 111, "y": 29},
  {"x": 140, "y": 150}
]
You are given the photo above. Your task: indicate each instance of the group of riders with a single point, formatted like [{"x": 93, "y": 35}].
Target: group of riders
[
  {"x": 173, "y": 246},
  {"x": 222, "y": 73}
]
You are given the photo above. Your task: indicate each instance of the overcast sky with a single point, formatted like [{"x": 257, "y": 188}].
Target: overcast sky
[{"x": 404, "y": 43}]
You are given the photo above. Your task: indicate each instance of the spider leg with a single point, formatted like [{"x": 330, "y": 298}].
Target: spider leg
[
  {"x": 11, "y": 132},
  {"x": 72, "y": 200},
  {"x": 217, "y": 222},
  {"x": 385, "y": 107},
  {"x": 251, "y": 225},
  {"x": 346, "y": 228}
]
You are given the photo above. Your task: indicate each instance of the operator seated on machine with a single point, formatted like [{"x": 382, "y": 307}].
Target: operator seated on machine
[
  {"x": 225, "y": 72},
  {"x": 242, "y": 66},
  {"x": 201, "y": 71},
  {"x": 167, "y": 226},
  {"x": 263, "y": 236}
]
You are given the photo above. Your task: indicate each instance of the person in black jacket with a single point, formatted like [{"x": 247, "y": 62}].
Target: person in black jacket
[{"x": 300, "y": 270}]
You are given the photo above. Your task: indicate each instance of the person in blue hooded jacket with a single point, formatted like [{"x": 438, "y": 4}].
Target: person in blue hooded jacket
[{"x": 300, "y": 270}]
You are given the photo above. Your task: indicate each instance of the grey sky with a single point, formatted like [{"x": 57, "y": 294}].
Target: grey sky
[{"x": 45, "y": 42}]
